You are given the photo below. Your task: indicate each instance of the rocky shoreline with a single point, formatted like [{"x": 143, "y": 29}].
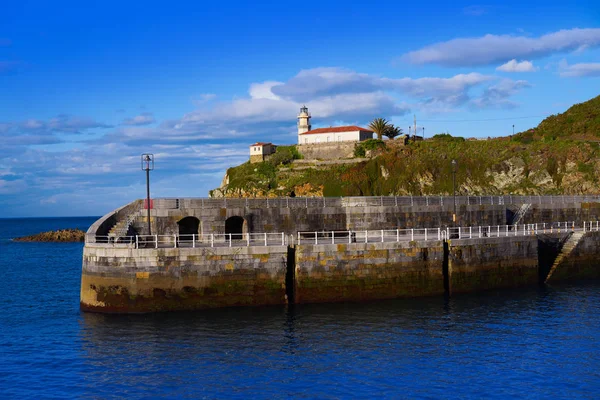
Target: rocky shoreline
[{"x": 61, "y": 235}]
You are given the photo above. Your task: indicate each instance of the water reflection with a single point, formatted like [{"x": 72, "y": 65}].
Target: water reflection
[{"x": 335, "y": 350}]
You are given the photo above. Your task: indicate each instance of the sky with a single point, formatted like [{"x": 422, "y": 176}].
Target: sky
[{"x": 87, "y": 87}]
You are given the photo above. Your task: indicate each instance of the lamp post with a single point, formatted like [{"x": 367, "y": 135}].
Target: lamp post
[
  {"x": 423, "y": 133},
  {"x": 454, "y": 190},
  {"x": 513, "y": 129},
  {"x": 148, "y": 165}
]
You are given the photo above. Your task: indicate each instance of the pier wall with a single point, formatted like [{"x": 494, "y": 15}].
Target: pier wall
[
  {"x": 367, "y": 271},
  {"x": 582, "y": 263},
  {"x": 492, "y": 263},
  {"x": 125, "y": 280},
  {"x": 356, "y": 217}
]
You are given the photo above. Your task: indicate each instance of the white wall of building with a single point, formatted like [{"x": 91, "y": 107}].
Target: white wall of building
[{"x": 328, "y": 137}]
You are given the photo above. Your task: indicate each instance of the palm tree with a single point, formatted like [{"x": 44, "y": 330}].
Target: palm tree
[
  {"x": 393, "y": 131},
  {"x": 379, "y": 126}
]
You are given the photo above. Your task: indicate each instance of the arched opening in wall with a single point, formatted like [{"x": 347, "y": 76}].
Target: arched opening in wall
[
  {"x": 236, "y": 226},
  {"x": 188, "y": 226}
]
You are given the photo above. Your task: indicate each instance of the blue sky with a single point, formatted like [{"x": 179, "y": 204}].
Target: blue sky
[{"x": 86, "y": 88}]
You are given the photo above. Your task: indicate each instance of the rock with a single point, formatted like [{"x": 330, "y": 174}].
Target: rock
[{"x": 62, "y": 235}]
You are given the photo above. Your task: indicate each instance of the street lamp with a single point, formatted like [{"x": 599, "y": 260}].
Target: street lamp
[
  {"x": 423, "y": 133},
  {"x": 148, "y": 165},
  {"x": 513, "y": 129},
  {"x": 454, "y": 190}
]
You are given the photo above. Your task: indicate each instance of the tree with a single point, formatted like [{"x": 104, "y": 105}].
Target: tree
[
  {"x": 379, "y": 126},
  {"x": 393, "y": 131}
]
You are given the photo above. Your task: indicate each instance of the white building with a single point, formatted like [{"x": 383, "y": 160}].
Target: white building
[
  {"x": 306, "y": 135},
  {"x": 259, "y": 150}
]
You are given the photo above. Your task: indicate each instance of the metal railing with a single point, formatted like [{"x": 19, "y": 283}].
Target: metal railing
[
  {"x": 337, "y": 237},
  {"x": 374, "y": 201},
  {"x": 426, "y": 234},
  {"x": 191, "y": 241}
]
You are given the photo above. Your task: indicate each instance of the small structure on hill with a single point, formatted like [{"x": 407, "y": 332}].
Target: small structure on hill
[
  {"x": 351, "y": 133},
  {"x": 259, "y": 151}
]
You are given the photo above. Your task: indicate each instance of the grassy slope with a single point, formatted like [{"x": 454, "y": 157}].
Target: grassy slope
[{"x": 558, "y": 157}]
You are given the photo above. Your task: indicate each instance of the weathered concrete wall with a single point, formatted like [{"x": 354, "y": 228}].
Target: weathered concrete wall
[
  {"x": 327, "y": 151},
  {"x": 361, "y": 271},
  {"x": 292, "y": 220},
  {"x": 126, "y": 280},
  {"x": 492, "y": 263},
  {"x": 558, "y": 212},
  {"x": 582, "y": 263}
]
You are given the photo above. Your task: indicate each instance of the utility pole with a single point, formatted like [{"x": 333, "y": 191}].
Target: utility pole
[
  {"x": 454, "y": 190},
  {"x": 148, "y": 165},
  {"x": 415, "y": 130}
]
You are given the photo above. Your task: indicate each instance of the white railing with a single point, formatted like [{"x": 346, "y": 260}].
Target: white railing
[
  {"x": 337, "y": 237},
  {"x": 191, "y": 241},
  {"x": 372, "y": 201},
  {"x": 426, "y": 234}
]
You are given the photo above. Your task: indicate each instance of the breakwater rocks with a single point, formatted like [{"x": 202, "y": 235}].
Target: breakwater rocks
[{"x": 62, "y": 235}]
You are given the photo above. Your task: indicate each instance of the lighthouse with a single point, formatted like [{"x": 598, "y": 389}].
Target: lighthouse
[{"x": 303, "y": 120}]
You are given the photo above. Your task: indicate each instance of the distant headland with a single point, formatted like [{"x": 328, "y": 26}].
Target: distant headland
[{"x": 62, "y": 235}]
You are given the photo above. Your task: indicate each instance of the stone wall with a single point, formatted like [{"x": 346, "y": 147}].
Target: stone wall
[
  {"x": 293, "y": 220},
  {"x": 492, "y": 263},
  {"x": 582, "y": 263},
  {"x": 327, "y": 151},
  {"x": 256, "y": 158},
  {"x": 361, "y": 271},
  {"x": 126, "y": 280}
]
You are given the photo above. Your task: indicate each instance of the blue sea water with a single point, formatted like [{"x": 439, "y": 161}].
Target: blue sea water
[{"x": 528, "y": 343}]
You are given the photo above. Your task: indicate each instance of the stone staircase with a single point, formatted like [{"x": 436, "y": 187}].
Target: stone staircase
[
  {"x": 567, "y": 248},
  {"x": 521, "y": 213},
  {"x": 121, "y": 228}
]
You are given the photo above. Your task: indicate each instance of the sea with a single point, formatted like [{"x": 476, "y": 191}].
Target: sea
[{"x": 536, "y": 342}]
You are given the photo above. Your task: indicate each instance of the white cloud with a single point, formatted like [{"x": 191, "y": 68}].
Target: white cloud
[
  {"x": 490, "y": 49},
  {"x": 579, "y": 70},
  {"x": 515, "y": 66},
  {"x": 263, "y": 90},
  {"x": 497, "y": 95},
  {"x": 138, "y": 120}
]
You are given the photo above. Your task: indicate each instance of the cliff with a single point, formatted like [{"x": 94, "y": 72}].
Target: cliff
[{"x": 560, "y": 156}]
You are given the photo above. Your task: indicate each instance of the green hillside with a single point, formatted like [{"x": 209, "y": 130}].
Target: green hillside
[{"x": 560, "y": 156}]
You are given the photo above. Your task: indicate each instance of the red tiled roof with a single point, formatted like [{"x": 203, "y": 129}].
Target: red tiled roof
[
  {"x": 260, "y": 144},
  {"x": 334, "y": 129}
]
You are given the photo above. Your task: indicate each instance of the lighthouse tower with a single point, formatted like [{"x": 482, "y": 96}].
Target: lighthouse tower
[{"x": 303, "y": 120}]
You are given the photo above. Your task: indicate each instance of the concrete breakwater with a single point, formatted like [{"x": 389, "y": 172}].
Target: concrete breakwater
[{"x": 121, "y": 275}]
